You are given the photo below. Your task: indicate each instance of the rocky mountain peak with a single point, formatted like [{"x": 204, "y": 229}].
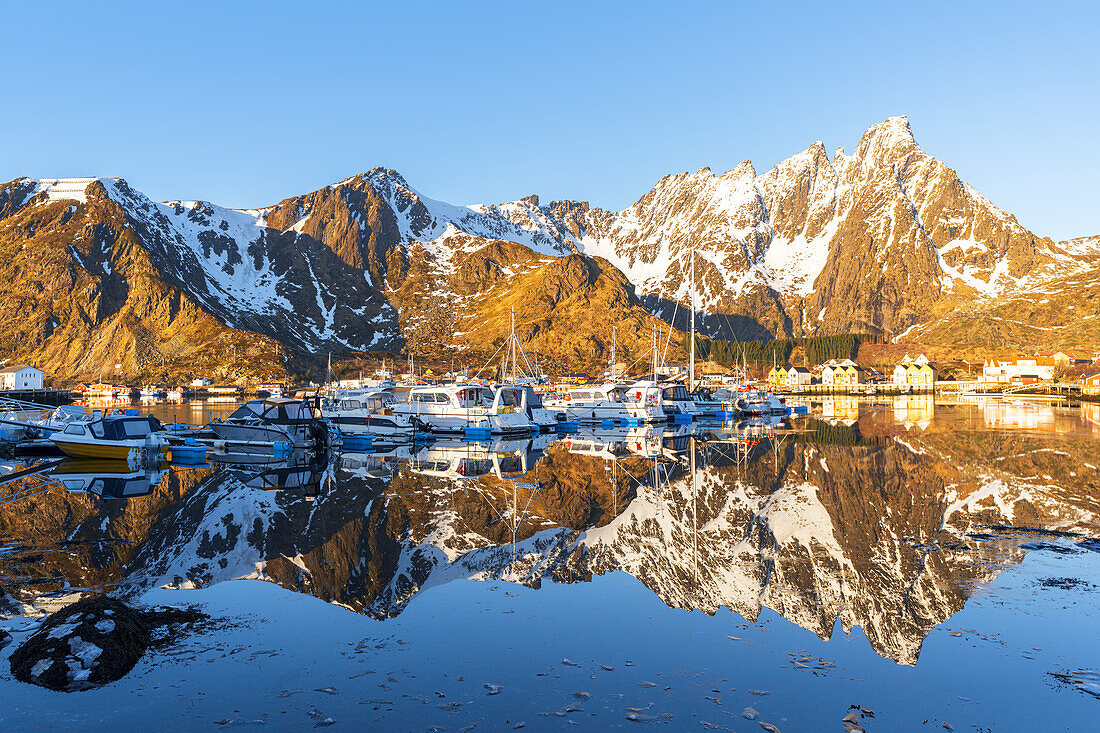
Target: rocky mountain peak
[{"x": 887, "y": 142}]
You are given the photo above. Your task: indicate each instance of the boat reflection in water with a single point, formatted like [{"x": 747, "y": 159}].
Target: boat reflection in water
[{"x": 109, "y": 479}]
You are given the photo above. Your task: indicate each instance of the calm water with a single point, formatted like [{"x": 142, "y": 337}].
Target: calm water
[{"x": 937, "y": 566}]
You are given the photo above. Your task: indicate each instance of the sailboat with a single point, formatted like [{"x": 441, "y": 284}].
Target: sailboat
[{"x": 517, "y": 384}]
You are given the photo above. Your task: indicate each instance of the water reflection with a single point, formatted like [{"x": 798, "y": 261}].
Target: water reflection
[{"x": 870, "y": 515}]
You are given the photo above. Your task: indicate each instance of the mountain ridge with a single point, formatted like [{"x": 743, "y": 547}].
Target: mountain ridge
[{"x": 887, "y": 240}]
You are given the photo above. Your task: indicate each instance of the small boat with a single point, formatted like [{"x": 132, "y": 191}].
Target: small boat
[
  {"x": 265, "y": 422},
  {"x": 710, "y": 403},
  {"x": 151, "y": 392},
  {"x": 675, "y": 400},
  {"x": 369, "y": 412},
  {"x": 175, "y": 395},
  {"x": 753, "y": 401},
  {"x": 116, "y": 437}
]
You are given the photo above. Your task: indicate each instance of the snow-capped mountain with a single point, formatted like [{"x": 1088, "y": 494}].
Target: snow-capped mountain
[{"x": 886, "y": 239}]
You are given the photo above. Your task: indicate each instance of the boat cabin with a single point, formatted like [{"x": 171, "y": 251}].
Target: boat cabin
[
  {"x": 116, "y": 427},
  {"x": 278, "y": 411}
]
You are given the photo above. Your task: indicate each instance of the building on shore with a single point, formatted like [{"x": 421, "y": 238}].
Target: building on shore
[
  {"x": 1090, "y": 384},
  {"x": 1065, "y": 358},
  {"x": 22, "y": 377},
  {"x": 918, "y": 371},
  {"x": 1008, "y": 370},
  {"x": 842, "y": 373},
  {"x": 777, "y": 376},
  {"x": 799, "y": 377}
]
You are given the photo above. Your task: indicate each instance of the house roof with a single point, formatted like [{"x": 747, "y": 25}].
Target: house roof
[
  {"x": 14, "y": 369},
  {"x": 800, "y": 370}
]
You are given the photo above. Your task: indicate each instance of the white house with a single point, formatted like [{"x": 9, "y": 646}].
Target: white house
[
  {"x": 23, "y": 376},
  {"x": 200, "y": 382},
  {"x": 798, "y": 376},
  {"x": 1004, "y": 370}
]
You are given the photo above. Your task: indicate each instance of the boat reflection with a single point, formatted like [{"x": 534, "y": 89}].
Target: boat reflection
[{"x": 109, "y": 479}]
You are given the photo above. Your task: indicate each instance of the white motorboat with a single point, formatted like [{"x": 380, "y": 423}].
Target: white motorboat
[
  {"x": 721, "y": 400},
  {"x": 612, "y": 402},
  {"x": 453, "y": 408},
  {"x": 265, "y": 422},
  {"x": 459, "y": 460},
  {"x": 369, "y": 412}
]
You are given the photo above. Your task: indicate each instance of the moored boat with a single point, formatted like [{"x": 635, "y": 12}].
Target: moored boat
[
  {"x": 612, "y": 402},
  {"x": 454, "y": 408},
  {"x": 368, "y": 412},
  {"x": 274, "y": 420},
  {"x": 115, "y": 437}
]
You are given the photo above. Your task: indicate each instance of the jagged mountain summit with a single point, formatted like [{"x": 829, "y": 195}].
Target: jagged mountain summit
[{"x": 886, "y": 240}]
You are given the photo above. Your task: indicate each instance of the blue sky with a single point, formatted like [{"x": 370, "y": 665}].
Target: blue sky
[{"x": 246, "y": 103}]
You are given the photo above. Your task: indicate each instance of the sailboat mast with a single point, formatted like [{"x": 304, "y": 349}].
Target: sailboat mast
[
  {"x": 691, "y": 358},
  {"x": 513, "y": 346},
  {"x": 614, "y": 344},
  {"x": 653, "y": 338}
]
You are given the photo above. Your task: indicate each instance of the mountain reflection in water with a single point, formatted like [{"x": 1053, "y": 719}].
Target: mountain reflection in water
[{"x": 877, "y": 515}]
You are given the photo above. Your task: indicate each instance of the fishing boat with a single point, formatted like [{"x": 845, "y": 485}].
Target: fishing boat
[
  {"x": 152, "y": 392},
  {"x": 454, "y": 408},
  {"x": 369, "y": 412},
  {"x": 611, "y": 402},
  {"x": 264, "y": 422},
  {"x": 116, "y": 437}
]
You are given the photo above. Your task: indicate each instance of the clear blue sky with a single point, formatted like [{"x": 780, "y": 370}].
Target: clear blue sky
[{"x": 246, "y": 103}]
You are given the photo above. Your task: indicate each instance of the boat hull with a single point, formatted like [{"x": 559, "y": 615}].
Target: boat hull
[{"x": 111, "y": 450}]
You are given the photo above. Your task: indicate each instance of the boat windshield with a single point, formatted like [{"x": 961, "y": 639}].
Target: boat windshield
[
  {"x": 677, "y": 393},
  {"x": 510, "y": 397},
  {"x": 124, "y": 428}
]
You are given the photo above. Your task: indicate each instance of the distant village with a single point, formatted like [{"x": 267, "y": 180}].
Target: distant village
[
  {"x": 1062, "y": 370},
  {"x": 919, "y": 374}
]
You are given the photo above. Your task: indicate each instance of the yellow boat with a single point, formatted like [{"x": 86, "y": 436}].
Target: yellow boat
[{"x": 115, "y": 437}]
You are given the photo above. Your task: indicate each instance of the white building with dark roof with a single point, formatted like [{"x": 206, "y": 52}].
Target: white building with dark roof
[{"x": 22, "y": 376}]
